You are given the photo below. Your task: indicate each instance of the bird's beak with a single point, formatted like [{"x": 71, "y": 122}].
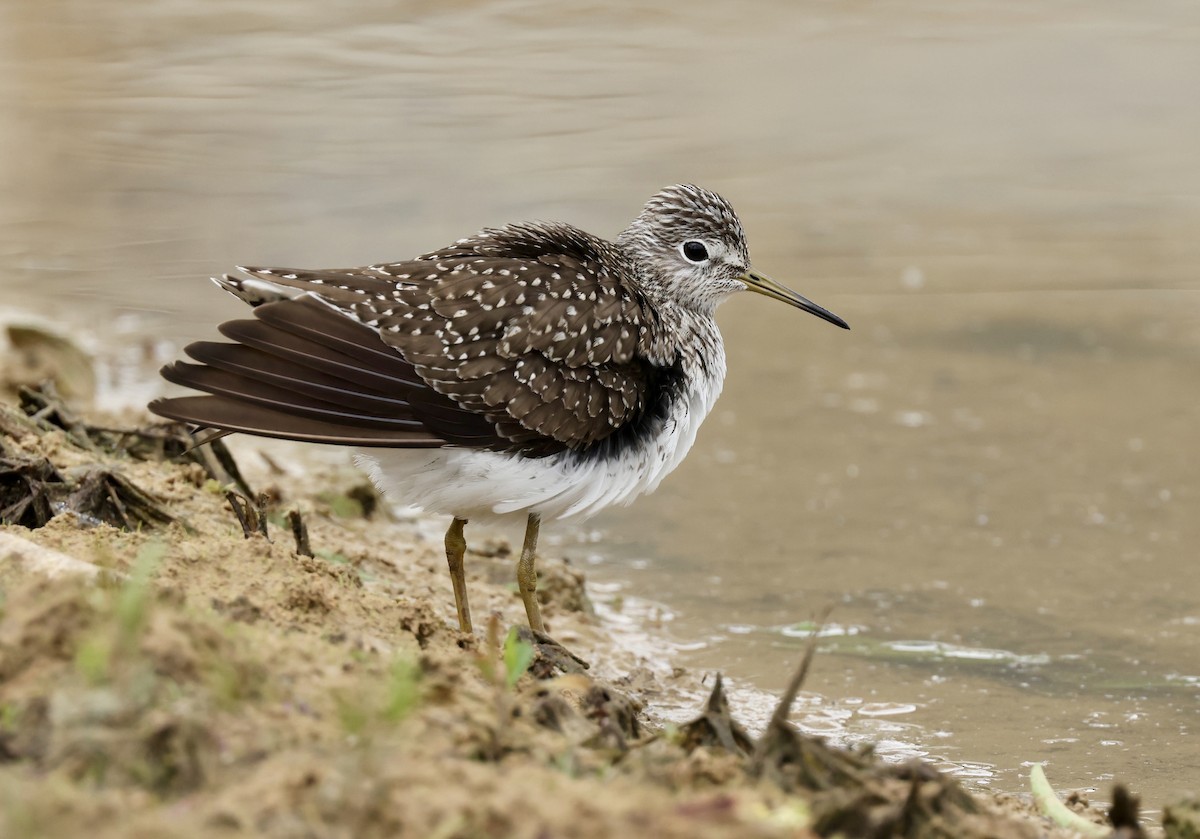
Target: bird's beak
[{"x": 765, "y": 285}]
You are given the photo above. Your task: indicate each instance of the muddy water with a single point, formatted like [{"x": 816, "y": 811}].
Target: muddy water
[{"x": 992, "y": 478}]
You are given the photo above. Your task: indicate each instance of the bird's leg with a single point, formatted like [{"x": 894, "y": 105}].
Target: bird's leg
[
  {"x": 527, "y": 574},
  {"x": 456, "y": 546}
]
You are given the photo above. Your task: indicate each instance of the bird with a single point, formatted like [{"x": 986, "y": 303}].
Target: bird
[{"x": 531, "y": 368}]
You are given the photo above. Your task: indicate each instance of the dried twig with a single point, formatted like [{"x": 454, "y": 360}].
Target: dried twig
[
  {"x": 784, "y": 708},
  {"x": 251, "y": 515},
  {"x": 300, "y": 532}
]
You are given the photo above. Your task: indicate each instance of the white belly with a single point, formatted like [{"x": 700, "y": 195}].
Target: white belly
[{"x": 468, "y": 483}]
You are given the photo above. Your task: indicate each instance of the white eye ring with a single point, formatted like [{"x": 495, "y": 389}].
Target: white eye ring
[{"x": 693, "y": 250}]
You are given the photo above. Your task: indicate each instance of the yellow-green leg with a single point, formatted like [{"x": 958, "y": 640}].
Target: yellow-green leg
[
  {"x": 456, "y": 547},
  {"x": 527, "y": 574}
]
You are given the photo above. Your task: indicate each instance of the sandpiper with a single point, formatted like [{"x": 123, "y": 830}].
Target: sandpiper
[{"x": 530, "y": 368}]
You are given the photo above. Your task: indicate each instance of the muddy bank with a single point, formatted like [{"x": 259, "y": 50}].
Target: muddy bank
[{"x": 166, "y": 669}]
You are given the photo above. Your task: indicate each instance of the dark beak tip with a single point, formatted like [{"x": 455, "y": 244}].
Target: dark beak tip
[{"x": 826, "y": 315}]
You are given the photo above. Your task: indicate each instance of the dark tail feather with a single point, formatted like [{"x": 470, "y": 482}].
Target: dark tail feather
[
  {"x": 251, "y": 391},
  {"x": 304, "y": 370},
  {"x": 254, "y": 365},
  {"x": 322, "y": 324},
  {"x": 235, "y": 415},
  {"x": 302, "y": 353}
]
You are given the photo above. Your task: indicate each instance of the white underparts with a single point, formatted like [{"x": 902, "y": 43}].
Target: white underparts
[{"x": 469, "y": 482}]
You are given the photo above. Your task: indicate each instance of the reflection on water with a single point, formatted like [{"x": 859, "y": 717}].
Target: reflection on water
[{"x": 991, "y": 478}]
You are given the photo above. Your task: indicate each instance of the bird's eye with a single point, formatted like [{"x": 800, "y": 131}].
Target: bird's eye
[{"x": 694, "y": 251}]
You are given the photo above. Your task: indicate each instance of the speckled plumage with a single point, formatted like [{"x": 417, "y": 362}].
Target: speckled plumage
[{"x": 536, "y": 367}]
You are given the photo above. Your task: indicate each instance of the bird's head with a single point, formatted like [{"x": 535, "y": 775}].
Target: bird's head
[{"x": 695, "y": 249}]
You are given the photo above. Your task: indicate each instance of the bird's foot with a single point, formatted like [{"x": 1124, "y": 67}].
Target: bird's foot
[{"x": 551, "y": 657}]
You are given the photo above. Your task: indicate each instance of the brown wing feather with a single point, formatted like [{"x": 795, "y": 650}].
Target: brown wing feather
[
  {"x": 528, "y": 338},
  {"x": 549, "y": 345}
]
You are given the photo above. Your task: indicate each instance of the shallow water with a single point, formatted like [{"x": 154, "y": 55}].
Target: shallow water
[{"x": 992, "y": 479}]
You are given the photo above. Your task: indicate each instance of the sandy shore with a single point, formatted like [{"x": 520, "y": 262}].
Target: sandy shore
[{"x": 164, "y": 674}]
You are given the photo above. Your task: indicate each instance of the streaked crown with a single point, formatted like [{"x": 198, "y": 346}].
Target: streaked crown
[{"x": 691, "y": 246}]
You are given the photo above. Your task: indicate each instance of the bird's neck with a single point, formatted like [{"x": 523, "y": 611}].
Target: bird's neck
[{"x": 692, "y": 338}]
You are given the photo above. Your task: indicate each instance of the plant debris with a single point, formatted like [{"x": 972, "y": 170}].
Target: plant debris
[
  {"x": 33, "y": 491},
  {"x": 251, "y": 515},
  {"x": 299, "y": 533}
]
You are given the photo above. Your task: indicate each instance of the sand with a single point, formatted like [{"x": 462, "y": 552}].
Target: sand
[{"x": 164, "y": 673}]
